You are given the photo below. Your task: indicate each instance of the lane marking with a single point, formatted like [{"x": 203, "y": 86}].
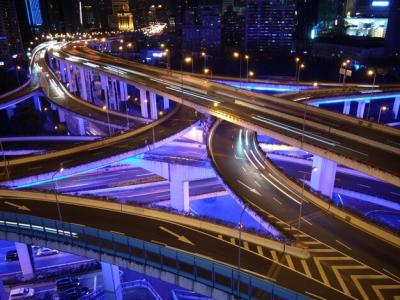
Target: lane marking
[
  {"x": 220, "y": 236},
  {"x": 306, "y": 268},
  {"x": 391, "y": 274},
  {"x": 274, "y": 255},
  {"x": 260, "y": 250},
  {"x": 357, "y": 283},
  {"x": 339, "y": 277},
  {"x": 246, "y": 245},
  {"x": 377, "y": 289},
  {"x": 290, "y": 261},
  {"x": 343, "y": 244},
  {"x": 233, "y": 241},
  {"x": 305, "y": 220},
  {"x": 321, "y": 271},
  {"x": 279, "y": 202},
  {"x": 316, "y": 296}
]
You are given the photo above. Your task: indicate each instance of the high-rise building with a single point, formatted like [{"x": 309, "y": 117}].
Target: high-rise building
[
  {"x": 62, "y": 16},
  {"x": 10, "y": 36},
  {"x": 94, "y": 14},
  {"x": 122, "y": 17},
  {"x": 201, "y": 28},
  {"x": 34, "y": 12},
  {"x": 392, "y": 41},
  {"x": 269, "y": 25},
  {"x": 232, "y": 29}
]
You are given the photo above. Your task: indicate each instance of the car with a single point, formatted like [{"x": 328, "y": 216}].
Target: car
[
  {"x": 67, "y": 283},
  {"x": 46, "y": 252},
  {"x": 74, "y": 293},
  {"x": 21, "y": 293},
  {"x": 11, "y": 255}
]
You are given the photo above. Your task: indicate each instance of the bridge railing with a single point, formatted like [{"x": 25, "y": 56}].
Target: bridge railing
[{"x": 216, "y": 275}]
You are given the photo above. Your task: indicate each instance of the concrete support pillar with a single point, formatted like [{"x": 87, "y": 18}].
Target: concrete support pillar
[
  {"x": 113, "y": 95},
  {"x": 396, "y": 106},
  {"x": 104, "y": 87},
  {"x": 143, "y": 103},
  {"x": 83, "y": 90},
  {"x": 123, "y": 91},
  {"x": 25, "y": 260},
  {"x": 153, "y": 106},
  {"x": 69, "y": 77},
  {"x": 179, "y": 193},
  {"x": 112, "y": 280},
  {"x": 323, "y": 178},
  {"x": 61, "y": 115},
  {"x": 63, "y": 70},
  {"x": 37, "y": 103},
  {"x": 360, "y": 109},
  {"x": 10, "y": 111},
  {"x": 2, "y": 290},
  {"x": 166, "y": 103},
  {"x": 346, "y": 107},
  {"x": 80, "y": 126}
]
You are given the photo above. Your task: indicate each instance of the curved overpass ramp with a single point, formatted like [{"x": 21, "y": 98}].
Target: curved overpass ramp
[{"x": 346, "y": 140}]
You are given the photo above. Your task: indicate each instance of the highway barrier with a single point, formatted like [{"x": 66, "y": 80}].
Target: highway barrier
[
  {"x": 158, "y": 215},
  {"x": 348, "y": 217},
  {"x": 205, "y": 275}
]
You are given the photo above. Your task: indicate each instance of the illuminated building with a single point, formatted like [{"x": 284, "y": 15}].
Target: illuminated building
[
  {"x": 269, "y": 25},
  {"x": 122, "y": 18},
  {"x": 10, "y": 37}
]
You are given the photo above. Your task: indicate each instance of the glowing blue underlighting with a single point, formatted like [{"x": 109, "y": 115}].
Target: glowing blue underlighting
[
  {"x": 365, "y": 99},
  {"x": 126, "y": 160},
  {"x": 380, "y": 3},
  {"x": 264, "y": 86}
]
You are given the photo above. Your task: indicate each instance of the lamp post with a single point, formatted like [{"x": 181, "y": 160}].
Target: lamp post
[
  {"x": 382, "y": 108},
  {"x": 313, "y": 169},
  {"x": 4, "y": 160},
  {"x": 240, "y": 227},
  {"x": 237, "y": 55},
  {"x": 297, "y": 61},
  {"x": 108, "y": 120},
  {"x": 189, "y": 59},
  {"x": 204, "y": 56},
  {"x": 17, "y": 68},
  {"x": 208, "y": 71},
  {"x": 55, "y": 187},
  {"x": 372, "y": 73},
  {"x": 247, "y": 58},
  {"x": 301, "y": 66}
]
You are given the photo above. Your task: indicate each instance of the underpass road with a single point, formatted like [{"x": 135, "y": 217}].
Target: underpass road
[
  {"x": 340, "y": 253},
  {"x": 255, "y": 258}
]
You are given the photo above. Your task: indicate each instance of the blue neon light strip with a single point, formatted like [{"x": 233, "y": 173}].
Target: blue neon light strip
[
  {"x": 380, "y": 3},
  {"x": 365, "y": 99}
]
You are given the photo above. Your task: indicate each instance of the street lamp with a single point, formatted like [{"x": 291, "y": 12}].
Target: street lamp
[
  {"x": 381, "y": 109},
  {"x": 297, "y": 61},
  {"x": 55, "y": 187},
  {"x": 204, "y": 56},
  {"x": 237, "y": 55},
  {"x": 313, "y": 169},
  {"x": 301, "y": 67},
  {"x": 17, "y": 68},
  {"x": 108, "y": 120},
  {"x": 240, "y": 227},
  {"x": 247, "y": 58},
  {"x": 167, "y": 54},
  {"x": 189, "y": 59},
  {"x": 208, "y": 71},
  {"x": 250, "y": 74},
  {"x": 372, "y": 73}
]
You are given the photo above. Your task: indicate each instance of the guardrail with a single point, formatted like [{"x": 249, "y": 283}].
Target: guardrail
[{"x": 205, "y": 271}]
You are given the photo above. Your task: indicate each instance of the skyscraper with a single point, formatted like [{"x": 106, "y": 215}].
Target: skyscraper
[
  {"x": 269, "y": 25},
  {"x": 10, "y": 36},
  {"x": 34, "y": 12},
  {"x": 392, "y": 41}
]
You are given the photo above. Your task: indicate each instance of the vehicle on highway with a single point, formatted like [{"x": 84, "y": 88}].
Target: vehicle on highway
[
  {"x": 74, "y": 293},
  {"x": 67, "y": 283},
  {"x": 46, "y": 252},
  {"x": 21, "y": 293},
  {"x": 11, "y": 255}
]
